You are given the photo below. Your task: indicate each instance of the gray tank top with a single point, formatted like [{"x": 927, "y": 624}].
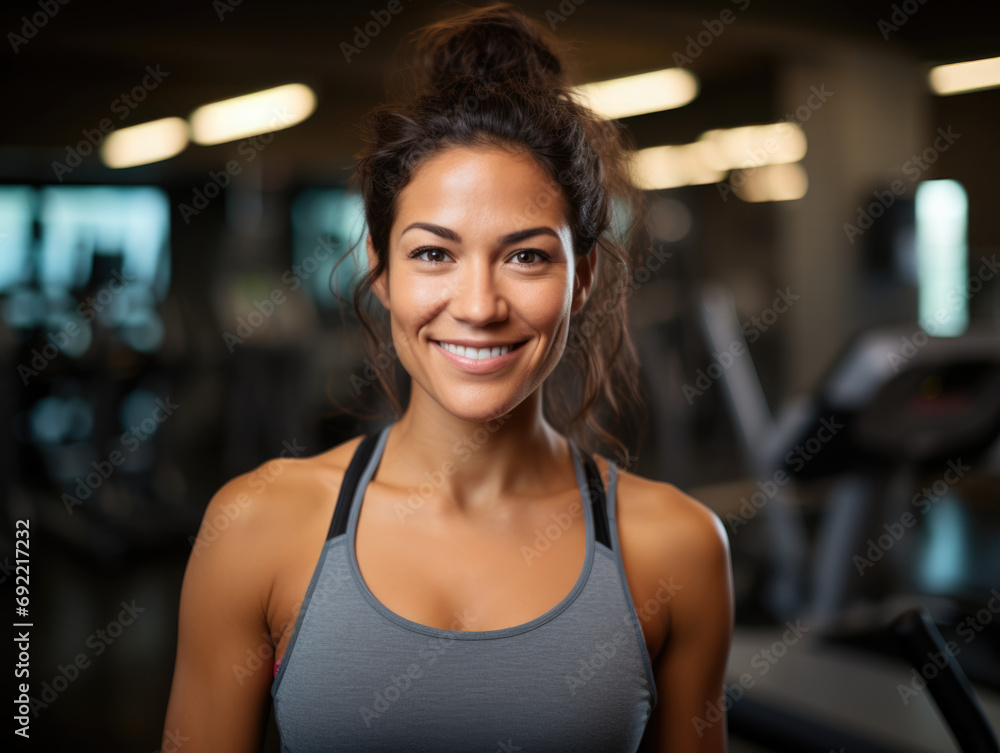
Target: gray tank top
[{"x": 357, "y": 677}]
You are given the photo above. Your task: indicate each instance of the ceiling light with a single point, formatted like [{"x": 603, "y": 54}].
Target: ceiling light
[
  {"x": 141, "y": 144},
  {"x": 645, "y": 92},
  {"x": 671, "y": 166},
  {"x": 785, "y": 182},
  {"x": 252, "y": 114},
  {"x": 965, "y": 77},
  {"x": 754, "y": 146}
]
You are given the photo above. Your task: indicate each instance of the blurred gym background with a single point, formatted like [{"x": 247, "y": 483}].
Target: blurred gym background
[{"x": 818, "y": 327}]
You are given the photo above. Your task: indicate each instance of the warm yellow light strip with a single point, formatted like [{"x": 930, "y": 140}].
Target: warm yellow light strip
[
  {"x": 252, "y": 114},
  {"x": 718, "y": 151},
  {"x": 148, "y": 142},
  {"x": 642, "y": 93},
  {"x": 785, "y": 182},
  {"x": 965, "y": 77},
  {"x": 754, "y": 146},
  {"x": 671, "y": 166}
]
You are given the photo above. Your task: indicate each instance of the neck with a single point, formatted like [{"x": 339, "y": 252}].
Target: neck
[{"x": 451, "y": 465}]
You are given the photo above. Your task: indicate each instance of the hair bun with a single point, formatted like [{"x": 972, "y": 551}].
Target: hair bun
[{"x": 496, "y": 41}]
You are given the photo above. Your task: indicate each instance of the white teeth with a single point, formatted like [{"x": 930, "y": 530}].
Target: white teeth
[{"x": 476, "y": 353}]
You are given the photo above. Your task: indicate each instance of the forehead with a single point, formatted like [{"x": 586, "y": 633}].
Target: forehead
[{"x": 488, "y": 190}]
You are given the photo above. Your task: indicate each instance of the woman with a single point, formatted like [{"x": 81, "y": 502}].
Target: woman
[{"x": 469, "y": 578}]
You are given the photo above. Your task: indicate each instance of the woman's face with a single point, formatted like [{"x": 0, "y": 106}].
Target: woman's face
[{"x": 480, "y": 256}]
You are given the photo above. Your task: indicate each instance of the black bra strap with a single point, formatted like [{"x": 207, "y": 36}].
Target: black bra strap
[
  {"x": 363, "y": 453},
  {"x": 352, "y": 476},
  {"x": 595, "y": 487}
]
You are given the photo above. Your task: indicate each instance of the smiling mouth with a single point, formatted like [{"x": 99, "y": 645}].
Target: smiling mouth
[{"x": 479, "y": 353}]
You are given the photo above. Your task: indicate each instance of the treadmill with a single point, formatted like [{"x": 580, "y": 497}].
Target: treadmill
[{"x": 897, "y": 415}]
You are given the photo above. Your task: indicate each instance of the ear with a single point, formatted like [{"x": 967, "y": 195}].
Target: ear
[
  {"x": 380, "y": 286},
  {"x": 583, "y": 279}
]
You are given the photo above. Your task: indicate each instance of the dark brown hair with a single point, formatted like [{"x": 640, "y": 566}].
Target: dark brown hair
[{"x": 490, "y": 77}]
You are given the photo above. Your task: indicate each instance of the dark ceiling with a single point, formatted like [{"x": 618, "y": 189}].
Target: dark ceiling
[{"x": 66, "y": 77}]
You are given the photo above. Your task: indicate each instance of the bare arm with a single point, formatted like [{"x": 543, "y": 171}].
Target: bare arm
[
  {"x": 219, "y": 697},
  {"x": 690, "y": 716}
]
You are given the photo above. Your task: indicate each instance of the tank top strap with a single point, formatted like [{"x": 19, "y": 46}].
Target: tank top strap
[
  {"x": 592, "y": 492},
  {"x": 361, "y": 458},
  {"x": 588, "y": 477}
]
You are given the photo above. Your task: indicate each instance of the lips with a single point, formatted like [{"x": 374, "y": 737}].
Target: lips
[
  {"x": 478, "y": 353},
  {"x": 474, "y": 364}
]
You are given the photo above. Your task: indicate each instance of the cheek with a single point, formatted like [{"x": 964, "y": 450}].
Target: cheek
[
  {"x": 414, "y": 302},
  {"x": 412, "y": 296},
  {"x": 542, "y": 307},
  {"x": 416, "y": 293}
]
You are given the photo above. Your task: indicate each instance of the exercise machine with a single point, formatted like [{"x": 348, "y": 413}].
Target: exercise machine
[{"x": 894, "y": 426}]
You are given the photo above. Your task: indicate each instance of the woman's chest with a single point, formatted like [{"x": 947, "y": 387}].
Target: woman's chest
[{"x": 470, "y": 578}]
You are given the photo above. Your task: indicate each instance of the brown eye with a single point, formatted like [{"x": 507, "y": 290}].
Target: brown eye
[
  {"x": 416, "y": 254},
  {"x": 534, "y": 256}
]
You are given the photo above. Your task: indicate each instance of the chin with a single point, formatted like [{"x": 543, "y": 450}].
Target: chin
[
  {"x": 479, "y": 409},
  {"x": 477, "y": 413}
]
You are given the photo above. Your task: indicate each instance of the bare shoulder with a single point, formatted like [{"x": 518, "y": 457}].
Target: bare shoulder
[
  {"x": 677, "y": 530},
  {"x": 673, "y": 548},
  {"x": 254, "y": 527},
  {"x": 255, "y": 515}
]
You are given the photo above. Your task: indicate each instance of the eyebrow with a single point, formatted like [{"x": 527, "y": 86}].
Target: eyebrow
[{"x": 451, "y": 235}]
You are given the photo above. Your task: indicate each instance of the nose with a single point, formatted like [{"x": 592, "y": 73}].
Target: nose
[{"x": 477, "y": 298}]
